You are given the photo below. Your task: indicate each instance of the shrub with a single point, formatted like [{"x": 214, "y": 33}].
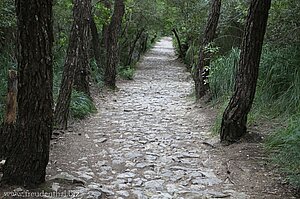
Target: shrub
[
  {"x": 285, "y": 149},
  {"x": 126, "y": 72},
  {"x": 81, "y": 105}
]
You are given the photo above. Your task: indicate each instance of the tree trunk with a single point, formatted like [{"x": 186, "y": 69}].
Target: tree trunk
[
  {"x": 204, "y": 59},
  {"x": 96, "y": 43},
  {"x": 26, "y": 163},
  {"x": 103, "y": 41},
  {"x": 235, "y": 116},
  {"x": 112, "y": 59},
  {"x": 181, "y": 55},
  {"x": 76, "y": 56},
  {"x": 82, "y": 73},
  {"x": 137, "y": 37}
]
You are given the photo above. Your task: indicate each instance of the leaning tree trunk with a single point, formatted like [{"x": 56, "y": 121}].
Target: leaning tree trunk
[
  {"x": 112, "y": 51},
  {"x": 235, "y": 116},
  {"x": 76, "y": 56},
  {"x": 132, "y": 47},
  {"x": 27, "y": 161},
  {"x": 204, "y": 59},
  {"x": 181, "y": 55}
]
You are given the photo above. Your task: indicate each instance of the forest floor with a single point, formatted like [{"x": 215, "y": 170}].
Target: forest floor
[{"x": 150, "y": 139}]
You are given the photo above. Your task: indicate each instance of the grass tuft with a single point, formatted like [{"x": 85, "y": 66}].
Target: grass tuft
[
  {"x": 126, "y": 72},
  {"x": 81, "y": 105}
]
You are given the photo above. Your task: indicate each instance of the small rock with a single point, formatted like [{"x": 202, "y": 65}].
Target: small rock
[
  {"x": 126, "y": 175},
  {"x": 154, "y": 184},
  {"x": 142, "y": 165},
  {"x": 123, "y": 193},
  {"x": 55, "y": 186},
  {"x": 133, "y": 154},
  {"x": 101, "y": 140},
  {"x": 18, "y": 189},
  {"x": 68, "y": 177},
  {"x": 107, "y": 192},
  {"x": 94, "y": 194}
]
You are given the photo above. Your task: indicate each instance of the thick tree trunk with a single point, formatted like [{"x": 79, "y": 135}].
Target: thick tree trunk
[
  {"x": 96, "y": 43},
  {"x": 76, "y": 57},
  {"x": 82, "y": 73},
  {"x": 235, "y": 116},
  {"x": 27, "y": 161},
  {"x": 137, "y": 37},
  {"x": 204, "y": 59},
  {"x": 181, "y": 55},
  {"x": 112, "y": 59}
]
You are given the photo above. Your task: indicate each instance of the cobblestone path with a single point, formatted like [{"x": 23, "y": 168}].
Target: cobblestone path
[{"x": 146, "y": 141}]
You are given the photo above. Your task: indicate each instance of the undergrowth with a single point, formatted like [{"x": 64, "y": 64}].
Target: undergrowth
[
  {"x": 7, "y": 62},
  {"x": 284, "y": 146},
  {"x": 126, "y": 72},
  {"x": 277, "y": 97},
  {"x": 81, "y": 105}
]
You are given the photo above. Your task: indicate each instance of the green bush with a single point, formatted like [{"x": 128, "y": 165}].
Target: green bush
[
  {"x": 284, "y": 146},
  {"x": 278, "y": 90},
  {"x": 81, "y": 105},
  {"x": 126, "y": 72},
  {"x": 7, "y": 62},
  {"x": 222, "y": 74}
]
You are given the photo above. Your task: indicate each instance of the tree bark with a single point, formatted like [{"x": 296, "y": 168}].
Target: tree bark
[
  {"x": 104, "y": 38},
  {"x": 204, "y": 58},
  {"x": 82, "y": 73},
  {"x": 235, "y": 116},
  {"x": 112, "y": 59},
  {"x": 27, "y": 161},
  {"x": 137, "y": 37},
  {"x": 96, "y": 43},
  {"x": 76, "y": 57},
  {"x": 181, "y": 54}
]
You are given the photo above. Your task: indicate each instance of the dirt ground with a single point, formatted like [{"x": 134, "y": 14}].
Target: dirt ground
[{"x": 150, "y": 139}]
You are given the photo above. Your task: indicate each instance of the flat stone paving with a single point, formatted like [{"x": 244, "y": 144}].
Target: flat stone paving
[{"x": 144, "y": 142}]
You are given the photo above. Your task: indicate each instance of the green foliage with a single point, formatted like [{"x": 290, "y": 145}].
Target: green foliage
[
  {"x": 7, "y": 62},
  {"x": 279, "y": 80},
  {"x": 222, "y": 74},
  {"x": 97, "y": 74},
  {"x": 7, "y": 16},
  {"x": 126, "y": 72},
  {"x": 81, "y": 105},
  {"x": 285, "y": 149}
]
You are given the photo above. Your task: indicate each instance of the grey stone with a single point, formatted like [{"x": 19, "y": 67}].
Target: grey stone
[
  {"x": 126, "y": 175},
  {"x": 132, "y": 154},
  {"x": 94, "y": 194},
  {"x": 123, "y": 193},
  {"x": 101, "y": 140},
  {"x": 68, "y": 177},
  {"x": 154, "y": 184}
]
